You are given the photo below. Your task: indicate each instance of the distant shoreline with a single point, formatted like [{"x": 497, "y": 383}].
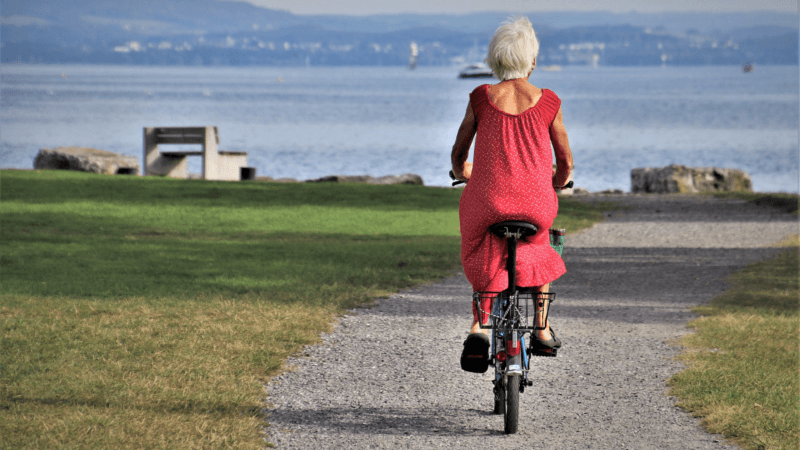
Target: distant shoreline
[{"x": 583, "y": 193}]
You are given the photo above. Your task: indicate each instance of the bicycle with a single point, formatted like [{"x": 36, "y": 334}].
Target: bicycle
[{"x": 511, "y": 315}]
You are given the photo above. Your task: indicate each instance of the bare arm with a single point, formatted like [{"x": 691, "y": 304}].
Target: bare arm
[
  {"x": 558, "y": 135},
  {"x": 466, "y": 133}
]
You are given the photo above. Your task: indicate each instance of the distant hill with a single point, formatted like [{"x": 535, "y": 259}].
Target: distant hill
[{"x": 211, "y": 32}]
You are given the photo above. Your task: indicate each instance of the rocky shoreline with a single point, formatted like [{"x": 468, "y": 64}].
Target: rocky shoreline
[
  {"x": 407, "y": 178},
  {"x": 653, "y": 180}
]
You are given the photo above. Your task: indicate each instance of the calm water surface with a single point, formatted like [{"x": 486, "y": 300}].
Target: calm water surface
[{"x": 310, "y": 122}]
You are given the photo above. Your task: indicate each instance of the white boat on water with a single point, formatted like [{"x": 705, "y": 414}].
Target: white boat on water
[
  {"x": 413, "y": 55},
  {"x": 476, "y": 71}
]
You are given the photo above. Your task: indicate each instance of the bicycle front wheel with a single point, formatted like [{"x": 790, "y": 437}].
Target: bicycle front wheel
[{"x": 511, "y": 416}]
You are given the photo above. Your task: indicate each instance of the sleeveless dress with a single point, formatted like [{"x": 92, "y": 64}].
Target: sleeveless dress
[{"x": 511, "y": 180}]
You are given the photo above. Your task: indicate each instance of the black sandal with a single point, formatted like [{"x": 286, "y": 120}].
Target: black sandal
[
  {"x": 540, "y": 347},
  {"x": 555, "y": 338},
  {"x": 475, "y": 357}
]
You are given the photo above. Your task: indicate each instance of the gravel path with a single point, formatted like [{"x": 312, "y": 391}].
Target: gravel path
[{"x": 389, "y": 376}]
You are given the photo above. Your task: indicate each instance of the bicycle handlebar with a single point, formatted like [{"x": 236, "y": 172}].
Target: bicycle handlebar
[{"x": 456, "y": 182}]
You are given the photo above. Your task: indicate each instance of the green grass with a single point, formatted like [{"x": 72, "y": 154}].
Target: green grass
[
  {"x": 744, "y": 358},
  {"x": 149, "y": 312}
]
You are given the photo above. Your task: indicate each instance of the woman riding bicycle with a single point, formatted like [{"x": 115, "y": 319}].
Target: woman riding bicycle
[{"x": 512, "y": 177}]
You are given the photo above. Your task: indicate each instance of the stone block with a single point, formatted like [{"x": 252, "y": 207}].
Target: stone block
[
  {"x": 86, "y": 159},
  {"x": 687, "y": 180},
  {"x": 230, "y": 165}
]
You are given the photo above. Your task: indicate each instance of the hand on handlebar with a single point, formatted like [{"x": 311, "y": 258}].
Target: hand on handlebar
[
  {"x": 566, "y": 186},
  {"x": 456, "y": 181},
  {"x": 465, "y": 175},
  {"x": 560, "y": 188}
]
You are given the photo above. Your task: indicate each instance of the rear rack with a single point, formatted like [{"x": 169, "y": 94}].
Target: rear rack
[{"x": 490, "y": 310}]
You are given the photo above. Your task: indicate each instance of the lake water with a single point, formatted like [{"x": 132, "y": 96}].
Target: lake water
[{"x": 310, "y": 122}]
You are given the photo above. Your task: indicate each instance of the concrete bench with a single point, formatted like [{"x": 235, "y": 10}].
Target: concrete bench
[{"x": 217, "y": 165}]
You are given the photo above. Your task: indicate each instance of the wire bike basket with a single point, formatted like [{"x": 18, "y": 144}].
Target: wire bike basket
[{"x": 521, "y": 315}]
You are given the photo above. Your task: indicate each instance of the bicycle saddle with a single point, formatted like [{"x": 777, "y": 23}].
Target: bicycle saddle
[{"x": 518, "y": 227}]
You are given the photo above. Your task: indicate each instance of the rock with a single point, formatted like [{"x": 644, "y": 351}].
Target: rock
[
  {"x": 682, "y": 179},
  {"x": 407, "y": 178},
  {"x": 86, "y": 159},
  {"x": 580, "y": 191},
  {"x": 342, "y": 179},
  {"x": 278, "y": 180}
]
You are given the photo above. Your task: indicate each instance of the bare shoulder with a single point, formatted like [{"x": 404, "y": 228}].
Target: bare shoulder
[{"x": 519, "y": 92}]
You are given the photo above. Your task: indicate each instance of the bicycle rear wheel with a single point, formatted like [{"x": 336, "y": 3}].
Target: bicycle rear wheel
[{"x": 511, "y": 416}]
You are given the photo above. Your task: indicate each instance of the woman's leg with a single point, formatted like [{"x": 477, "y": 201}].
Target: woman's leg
[
  {"x": 486, "y": 303},
  {"x": 476, "y": 328},
  {"x": 541, "y": 309}
]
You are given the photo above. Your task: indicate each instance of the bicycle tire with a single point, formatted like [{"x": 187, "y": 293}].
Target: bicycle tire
[{"x": 511, "y": 416}]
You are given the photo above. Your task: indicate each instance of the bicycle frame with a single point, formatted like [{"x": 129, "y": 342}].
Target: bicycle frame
[
  {"x": 512, "y": 319},
  {"x": 512, "y": 316}
]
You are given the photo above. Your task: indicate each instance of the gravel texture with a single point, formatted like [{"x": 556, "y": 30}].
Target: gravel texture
[{"x": 389, "y": 377}]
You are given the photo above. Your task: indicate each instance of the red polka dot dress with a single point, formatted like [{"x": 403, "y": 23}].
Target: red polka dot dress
[{"x": 511, "y": 180}]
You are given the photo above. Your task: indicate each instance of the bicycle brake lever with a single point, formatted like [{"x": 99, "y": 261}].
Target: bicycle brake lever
[
  {"x": 457, "y": 181},
  {"x": 566, "y": 186}
]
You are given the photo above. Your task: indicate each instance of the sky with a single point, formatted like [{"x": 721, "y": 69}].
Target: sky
[{"x": 366, "y": 7}]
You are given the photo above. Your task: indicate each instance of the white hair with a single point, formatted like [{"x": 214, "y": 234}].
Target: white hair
[{"x": 512, "y": 49}]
